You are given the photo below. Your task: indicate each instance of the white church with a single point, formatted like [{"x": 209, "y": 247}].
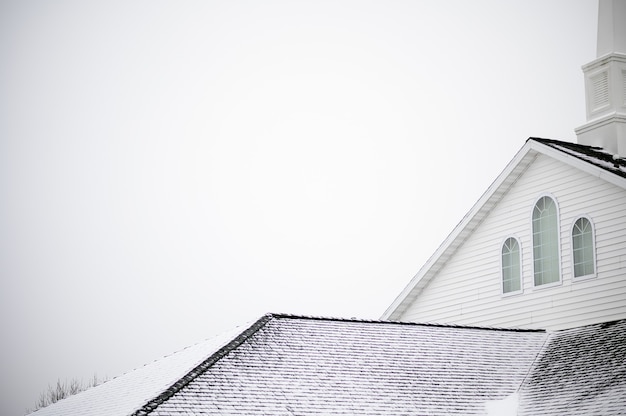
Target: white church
[
  {"x": 520, "y": 311},
  {"x": 545, "y": 245}
]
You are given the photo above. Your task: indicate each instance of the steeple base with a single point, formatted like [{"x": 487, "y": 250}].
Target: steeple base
[{"x": 608, "y": 132}]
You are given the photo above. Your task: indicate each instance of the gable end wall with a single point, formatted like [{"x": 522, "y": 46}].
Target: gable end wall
[{"x": 467, "y": 289}]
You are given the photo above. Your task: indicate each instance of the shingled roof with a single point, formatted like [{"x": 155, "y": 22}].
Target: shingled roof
[
  {"x": 294, "y": 365},
  {"x": 597, "y": 156},
  {"x": 127, "y": 393},
  {"x": 581, "y": 371}
]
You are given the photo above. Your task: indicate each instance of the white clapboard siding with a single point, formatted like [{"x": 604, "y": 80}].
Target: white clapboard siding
[{"x": 467, "y": 289}]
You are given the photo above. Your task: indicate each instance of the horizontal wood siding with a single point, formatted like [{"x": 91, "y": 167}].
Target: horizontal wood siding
[{"x": 467, "y": 290}]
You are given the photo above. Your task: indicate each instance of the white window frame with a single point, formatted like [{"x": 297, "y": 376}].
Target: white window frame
[
  {"x": 521, "y": 268},
  {"x": 593, "y": 249},
  {"x": 532, "y": 243}
]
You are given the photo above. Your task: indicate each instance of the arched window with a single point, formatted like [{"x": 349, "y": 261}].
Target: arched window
[
  {"x": 583, "y": 248},
  {"x": 511, "y": 266},
  {"x": 545, "y": 242}
]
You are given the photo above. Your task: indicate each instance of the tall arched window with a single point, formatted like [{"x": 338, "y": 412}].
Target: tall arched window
[
  {"x": 511, "y": 266},
  {"x": 583, "y": 248},
  {"x": 545, "y": 242}
]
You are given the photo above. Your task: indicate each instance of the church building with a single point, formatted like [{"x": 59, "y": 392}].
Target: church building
[
  {"x": 545, "y": 246},
  {"x": 520, "y": 311}
]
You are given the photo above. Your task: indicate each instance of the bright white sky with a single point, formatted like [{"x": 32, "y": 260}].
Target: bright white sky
[{"x": 169, "y": 169}]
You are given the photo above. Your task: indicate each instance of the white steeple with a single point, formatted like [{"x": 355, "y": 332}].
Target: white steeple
[{"x": 605, "y": 82}]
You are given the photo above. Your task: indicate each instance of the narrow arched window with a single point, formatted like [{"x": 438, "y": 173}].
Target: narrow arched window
[
  {"x": 511, "y": 267},
  {"x": 583, "y": 248},
  {"x": 545, "y": 242}
]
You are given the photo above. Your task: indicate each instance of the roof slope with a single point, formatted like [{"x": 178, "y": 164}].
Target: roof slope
[
  {"x": 591, "y": 154},
  {"x": 593, "y": 160},
  {"x": 303, "y": 366},
  {"x": 127, "y": 393},
  {"x": 291, "y": 365},
  {"x": 582, "y": 371}
]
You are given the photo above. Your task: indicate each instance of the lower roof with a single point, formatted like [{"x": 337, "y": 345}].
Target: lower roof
[{"x": 296, "y": 365}]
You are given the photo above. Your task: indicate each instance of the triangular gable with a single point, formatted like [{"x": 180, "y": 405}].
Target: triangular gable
[{"x": 592, "y": 160}]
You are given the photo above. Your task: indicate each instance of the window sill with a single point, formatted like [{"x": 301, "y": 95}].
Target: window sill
[
  {"x": 548, "y": 285},
  {"x": 585, "y": 277},
  {"x": 510, "y": 294}
]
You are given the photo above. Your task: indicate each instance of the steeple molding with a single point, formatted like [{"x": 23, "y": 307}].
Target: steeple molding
[{"x": 605, "y": 85}]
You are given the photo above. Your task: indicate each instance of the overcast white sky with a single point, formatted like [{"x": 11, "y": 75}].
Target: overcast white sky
[{"x": 171, "y": 169}]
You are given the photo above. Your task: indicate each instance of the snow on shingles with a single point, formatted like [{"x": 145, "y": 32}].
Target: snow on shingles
[
  {"x": 594, "y": 155},
  {"x": 125, "y": 394},
  {"x": 582, "y": 371},
  {"x": 305, "y": 366}
]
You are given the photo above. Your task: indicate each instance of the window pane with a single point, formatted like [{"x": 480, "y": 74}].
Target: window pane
[
  {"x": 545, "y": 242},
  {"x": 511, "y": 276},
  {"x": 583, "y": 250}
]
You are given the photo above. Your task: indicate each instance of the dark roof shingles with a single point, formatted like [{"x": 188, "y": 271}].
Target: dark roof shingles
[
  {"x": 581, "y": 371},
  {"x": 597, "y": 156},
  {"x": 308, "y": 366}
]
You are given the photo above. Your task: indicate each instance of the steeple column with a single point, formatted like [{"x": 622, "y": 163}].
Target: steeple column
[{"x": 605, "y": 82}]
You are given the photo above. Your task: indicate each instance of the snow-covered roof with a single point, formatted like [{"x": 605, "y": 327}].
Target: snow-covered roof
[
  {"x": 596, "y": 156},
  {"x": 581, "y": 371},
  {"x": 312, "y": 366},
  {"x": 294, "y": 365},
  {"x": 129, "y": 392},
  {"x": 590, "y": 159}
]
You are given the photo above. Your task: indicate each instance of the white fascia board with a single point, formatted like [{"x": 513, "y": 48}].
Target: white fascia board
[{"x": 480, "y": 209}]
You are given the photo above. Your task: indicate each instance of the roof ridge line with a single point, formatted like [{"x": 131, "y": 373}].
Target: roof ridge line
[
  {"x": 393, "y": 322},
  {"x": 152, "y": 404},
  {"x": 533, "y": 364}
]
